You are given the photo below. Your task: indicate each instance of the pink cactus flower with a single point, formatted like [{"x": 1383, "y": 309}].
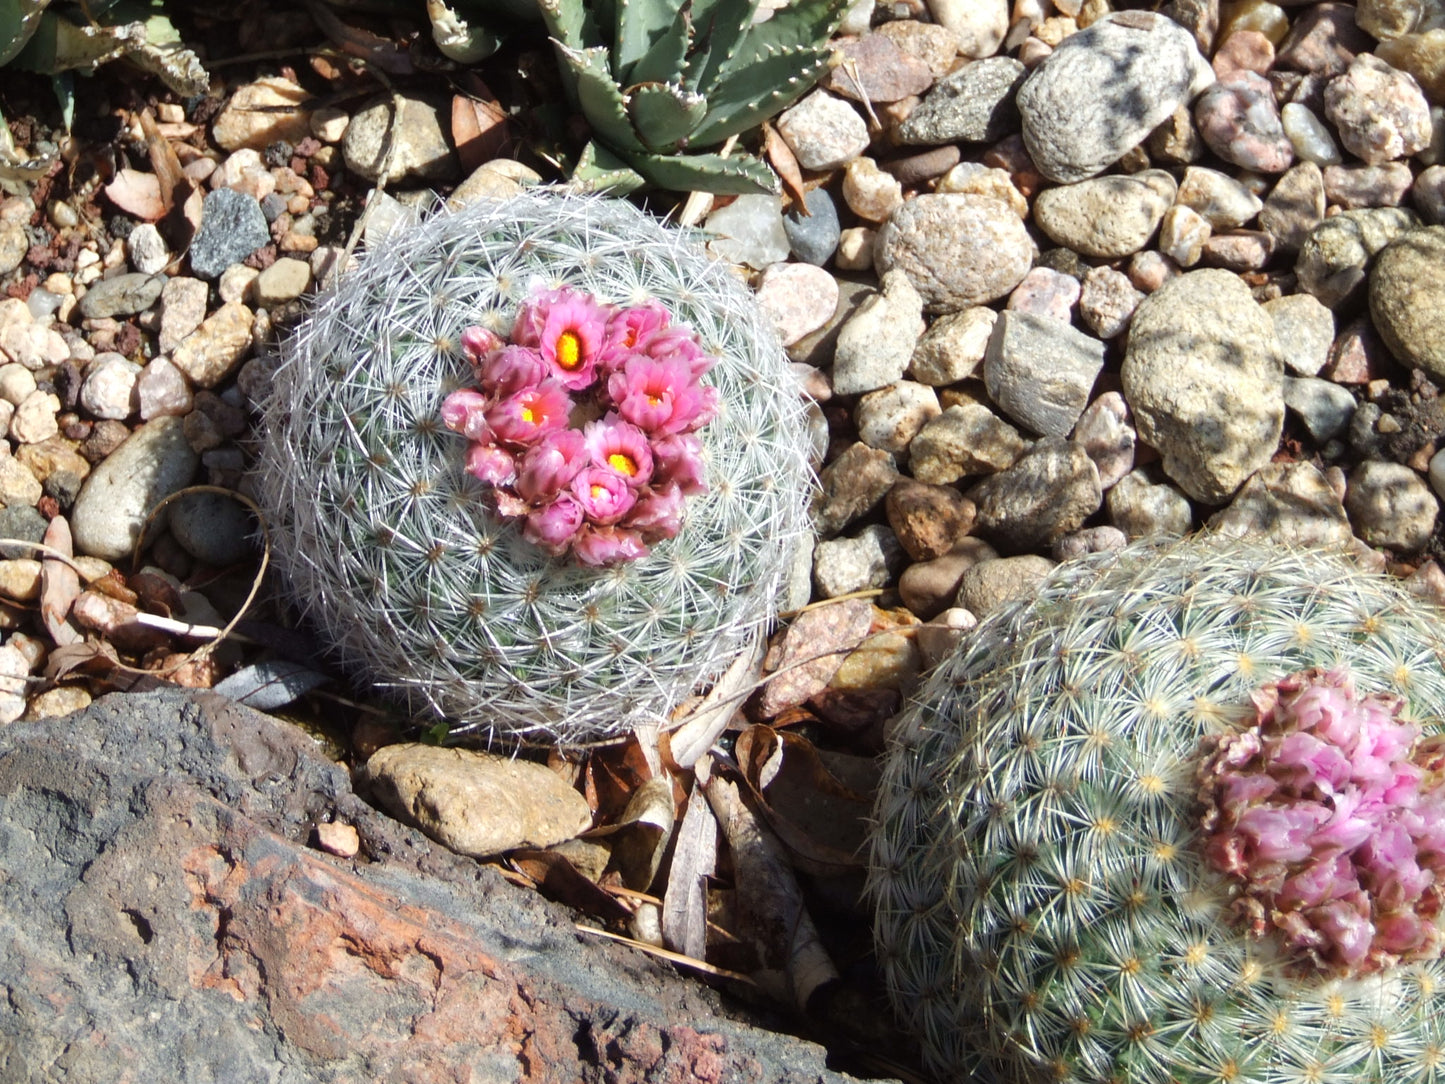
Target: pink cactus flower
[
  {"x": 464, "y": 412},
  {"x": 601, "y": 546},
  {"x": 627, "y": 327},
  {"x": 658, "y": 513},
  {"x": 491, "y": 464},
  {"x": 548, "y": 467},
  {"x": 531, "y": 413},
  {"x": 604, "y": 495},
  {"x": 616, "y": 445},
  {"x": 676, "y": 344},
  {"x": 512, "y": 369},
  {"x": 661, "y": 397},
  {"x": 569, "y": 329},
  {"x": 678, "y": 459},
  {"x": 554, "y": 526},
  {"x": 478, "y": 343}
]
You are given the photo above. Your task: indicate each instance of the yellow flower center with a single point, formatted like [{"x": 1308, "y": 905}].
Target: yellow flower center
[
  {"x": 598, "y": 492},
  {"x": 569, "y": 350},
  {"x": 622, "y": 464},
  {"x": 528, "y": 415},
  {"x": 654, "y": 400}
]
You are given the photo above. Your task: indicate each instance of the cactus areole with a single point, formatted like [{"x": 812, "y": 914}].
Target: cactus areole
[
  {"x": 536, "y": 467},
  {"x": 1176, "y": 819}
]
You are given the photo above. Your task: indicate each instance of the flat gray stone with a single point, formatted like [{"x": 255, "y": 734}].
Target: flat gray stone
[
  {"x": 123, "y": 295},
  {"x": 1048, "y": 492},
  {"x": 232, "y": 227},
  {"x": 957, "y": 249},
  {"x": 975, "y": 104},
  {"x": 153, "y": 462},
  {"x": 1039, "y": 371}
]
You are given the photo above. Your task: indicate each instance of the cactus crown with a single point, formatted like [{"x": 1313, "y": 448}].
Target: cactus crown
[
  {"x": 658, "y": 79},
  {"x": 386, "y": 540},
  {"x": 1045, "y": 908}
]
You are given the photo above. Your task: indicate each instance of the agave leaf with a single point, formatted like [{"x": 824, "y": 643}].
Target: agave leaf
[
  {"x": 18, "y": 20},
  {"x": 738, "y": 102},
  {"x": 664, "y": 113},
  {"x": 735, "y": 176},
  {"x": 458, "y": 39},
  {"x": 601, "y": 99},
  {"x": 639, "y": 24},
  {"x": 664, "y": 61},
  {"x": 599, "y": 170},
  {"x": 59, "y": 45},
  {"x": 569, "y": 22},
  {"x": 726, "y": 26},
  {"x": 807, "y": 24}
]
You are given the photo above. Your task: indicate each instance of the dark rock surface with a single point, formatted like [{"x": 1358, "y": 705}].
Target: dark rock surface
[{"x": 164, "y": 916}]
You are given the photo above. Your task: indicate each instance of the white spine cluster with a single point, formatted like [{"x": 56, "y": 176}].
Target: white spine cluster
[
  {"x": 1043, "y": 913},
  {"x": 386, "y": 542}
]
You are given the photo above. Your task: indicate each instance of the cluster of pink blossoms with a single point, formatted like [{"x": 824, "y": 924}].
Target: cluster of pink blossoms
[
  {"x": 583, "y": 424},
  {"x": 1329, "y": 814}
]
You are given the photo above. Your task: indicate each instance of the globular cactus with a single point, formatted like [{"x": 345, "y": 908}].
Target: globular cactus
[
  {"x": 1080, "y": 875},
  {"x": 389, "y": 547},
  {"x": 661, "y": 80}
]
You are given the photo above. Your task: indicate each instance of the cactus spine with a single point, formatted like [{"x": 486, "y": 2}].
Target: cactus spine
[
  {"x": 1043, "y": 909},
  {"x": 386, "y": 543}
]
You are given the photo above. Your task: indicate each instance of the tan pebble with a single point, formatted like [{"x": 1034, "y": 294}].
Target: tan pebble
[
  {"x": 92, "y": 568},
  {"x": 20, "y": 579},
  {"x": 855, "y": 249},
  {"x": 339, "y": 839},
  {"x": 33, "y": 648},
  {"x": 53, "y": 703},
  {"x": 329, "y": 123},
  {"x": 34, "y": 418}
]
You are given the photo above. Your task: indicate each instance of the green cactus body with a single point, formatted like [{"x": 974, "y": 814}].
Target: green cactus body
[
  {"x": 660, "y": 79},
  {"x": 1044, "y": 912},
  {"x": 387, "y": 543}
]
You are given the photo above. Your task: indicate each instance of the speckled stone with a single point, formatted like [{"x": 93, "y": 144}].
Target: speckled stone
[
  {"x": 1407, "y": 298},
  {"x": 1240, "y": 122},
  {"x": 974, "y": 104},
  {"x": 1104, "y": 89},
  {"x": 988, "y": 585},
  {"x": 891, "y": 417},
  {"x": 1141, "y": 505},
  {"x": 1049, "y": 491},
  {"x": 957, "y": 250},
  {"x": 1203, "y": 375},
  {"x": 875, "y": 344},
  {"x": 1305, "y": 330},
  {"x": 1039, "y": 371},
  {"x": 873, "y": 68},
  {"x": 1107, "y": 301},
  {"x": 232, "y": 227},
  {"x": 798, "y": 298},
  {"x": 867, "y": 560},
  {"x": 1295, "y": 206},
  {"x": 964, "y": 440},
  {"x": 154, "y": 462},
  {"x": 1380, "y": 113},
  {"x": 1335, "y": 258},
  {"x": 122, "y": 295},
  {"x": 852, "y": 486},
  {"x": 1046, "y": 292},
  {"x": 952, "y": 348},
  {"x": 1390, "y": 505},
  {"x": 1106, "y": 432},
  {"x": 1105, "y": 217},
  {"x": 928, "y": 520},
  {"x": 823, "y": 132},
  {"x": 1218, "y": 198}
]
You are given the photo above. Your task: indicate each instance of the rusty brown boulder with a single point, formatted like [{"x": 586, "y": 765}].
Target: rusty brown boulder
[{"x": 164, "y": 915}]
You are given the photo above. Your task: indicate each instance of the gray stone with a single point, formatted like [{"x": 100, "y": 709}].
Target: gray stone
[
  {"x": 24, "y": 524},
  {"x": 146, "y": 249},
  {"x": 964, "y": 440},
  {"x": 139, "y": 828},
  {"x": 749, "y": 230},
  {"x": 1048, "y": 492},
  {"x": 1289, "y": 503},
  {"x": 232, "y": 227},
  {"x": 152, "y": 463},
  {"x": 1105, "y": 217},
  {"x": 1142, "y": 507},
  {"x": 957, "y": 250},
  {"x": 1203, "y": 374},
  {"x": 1335, "y": 258},
  {"x": 974, "y": 104},
  {"x": 1324, "y": 406},
  {"x": 1039, "y": 371},
  {"x": 1407, "y": 298},
  {"x": 1305, "y": 329},
  {"x": 866, "y": 561},
  {"x": 123, "y": 295},
  {"x": 415, "y": 138},
  {"x": 987, "y": 585},
  {"x": 212, "y": 528},
  {"x": 1391, "y": 506},
  {"x": 1104, "y": 89},
  {"x": 875, "y": 345},
  {"x": 1295, "y": 206},
  {"x": 813, "y": 237}
]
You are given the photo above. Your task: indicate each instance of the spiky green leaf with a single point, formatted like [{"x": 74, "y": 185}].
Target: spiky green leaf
[
  {"x": 569, "y": 22},
  {"x": 733, "y": 176},
  {"x": 664, "y": 61},
  {"x": 600, "y": 98},
  {"x": 639, "y": 25},
  {"x": 807, "y": 24},
  {"x": 724, "y": 32},
  {"x": 748, "y": 98},
  {"x": 599, "y": 170},
  {"x": 663, "y": 113}
]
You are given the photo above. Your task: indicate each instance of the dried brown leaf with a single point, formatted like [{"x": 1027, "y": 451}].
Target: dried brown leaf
[
  {"x": 59, "y": 585},
  {"x": 785, "y": 165},
  {"x": 557, "y": 879},
  {"x": 88, "y": 656},
  {"x": 694, "y": 860},
  {"x": 479, "y": 130},
  {"x": 172, "y": 181},
  {"x": 641, "y": 835}
]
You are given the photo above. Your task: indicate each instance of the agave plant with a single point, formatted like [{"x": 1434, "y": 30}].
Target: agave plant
[{"x": 659, "y": 79}]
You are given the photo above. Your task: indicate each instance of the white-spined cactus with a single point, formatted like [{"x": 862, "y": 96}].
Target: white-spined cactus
[
  {"x": 1071, "y": 867},
  {"x": 389, "y": 547}
]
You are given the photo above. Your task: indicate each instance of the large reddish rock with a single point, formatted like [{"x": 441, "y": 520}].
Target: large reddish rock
[{"x": 164, "y": 915}]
